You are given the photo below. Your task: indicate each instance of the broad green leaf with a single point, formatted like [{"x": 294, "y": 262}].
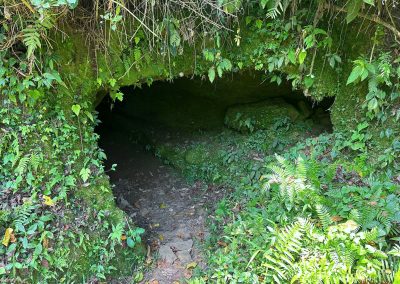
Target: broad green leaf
[
  {"x": 263, "y": 3},
  {"x": 308, "y": 81},
  {"x": 353, "y": 8},
  {"x": 219, "y": 71},
  {"x": 90, "y": 116},
  {"x": 355, "y": 74},
  {"x": 218, "y": 40},
  {"x": 112, "y": 82},
  {"x": 84, "y": 173},
  {"x": 130, "y": 243},
  {"x": 373, "y": 104},
  {"x": 332, "y": 62},
  {"x": 119, "y": 96},
  {"x": 248, "y": 20},
  {"x": 369, "y": 2},
  {"x": 364, "y": 74},
  {"x": 302, "y": 56},
  {"x": 76, "y": 109},
  {"x": 259, "y": 23},
  {"x": 208, "y": 55},
  {"x": 292, "y": 56},
  {"x": 362, "y": 125},
  {"x": 211, "y": 74},
  {"x": 35, "y": 94}
]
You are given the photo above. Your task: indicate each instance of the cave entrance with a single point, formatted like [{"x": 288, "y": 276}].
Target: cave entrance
[
  {"x": 172, "y": 111},
  {"x": 161, "y": 121}
]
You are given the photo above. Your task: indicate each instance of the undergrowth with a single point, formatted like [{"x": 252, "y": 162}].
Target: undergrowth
[
  {"x": 318, "y": 214},
  {"x": 47, "y": 218}
]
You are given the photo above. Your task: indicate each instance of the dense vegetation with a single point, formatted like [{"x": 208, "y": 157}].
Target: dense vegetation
[{"x": 323, "y": 210}]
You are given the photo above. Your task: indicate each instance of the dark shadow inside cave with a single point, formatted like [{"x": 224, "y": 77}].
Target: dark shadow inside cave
[{"x": 173, "y": 110}]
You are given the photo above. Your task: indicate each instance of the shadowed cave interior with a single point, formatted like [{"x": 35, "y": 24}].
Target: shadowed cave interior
[{"x": 185, "y": 109}]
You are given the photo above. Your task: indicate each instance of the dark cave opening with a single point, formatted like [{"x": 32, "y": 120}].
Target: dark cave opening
[
  {"x": 176, "y": 117},
  {"x": 185, "y": 105}
]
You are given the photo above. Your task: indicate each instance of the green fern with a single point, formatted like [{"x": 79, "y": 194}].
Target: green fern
[
  {"x": 323, "y": 215},
  {"x": 23, "y": 215},
  {"x": 385, "y": 220},
  {"x": 389, "y": 268},
  {"x": 35, "y": 160},
  {"x": 295, "y": 191},
  {"x": 281, "y": 258},
  {"x": 279, "y": 7},
  {"x": 301, "y": 169},
  {"x": 372, "y": 235},
  {"x": 31, "y": 39},
  {"x": 355, "y": 216},
  {"x": 22, "y": 165},
  {"x": 395, "y": 250}
]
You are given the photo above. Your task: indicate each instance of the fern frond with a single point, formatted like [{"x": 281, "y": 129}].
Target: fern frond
[
  {"x": 31, "y": 39},
  {"x": 35, "y": 160},
  {"x": 395, "y": 250},
  {"x": 394, "y": 230},
  {"x": 372, "y": 235},
  {"x": 22, "y": 165},
  {"x": 388, "y": 270},
  {"x": 274, "y": 12},
  {"x": 385, "y": 220},
  {"x": 355, "y": 216},
  {"x": 301, "y": 168},
  {"x": 23, "y": 214},
  {"x": 281, "y": 259},
  {"x": 323, "y": 215},
  {"x": 348, "y": 258}
]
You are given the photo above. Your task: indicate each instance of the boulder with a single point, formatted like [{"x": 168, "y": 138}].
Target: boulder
[{"x": 260, "y": 115}]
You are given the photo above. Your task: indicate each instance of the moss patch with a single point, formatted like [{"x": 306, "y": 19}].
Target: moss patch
[{"x": 261, "y": 115}]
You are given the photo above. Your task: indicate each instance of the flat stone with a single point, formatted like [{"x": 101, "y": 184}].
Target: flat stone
[
  {"x": 183, "y": 232},
  {"x": 184, "y": 256},
  {"x": 167, "y": 254}
]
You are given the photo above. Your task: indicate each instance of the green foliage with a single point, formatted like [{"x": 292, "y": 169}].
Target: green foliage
[
  {"x": 289, "y": 230},
  {"x": 313, "y": 221},
  {"x": 220, "y": 64},
  {"x": 45, "y": 153}
]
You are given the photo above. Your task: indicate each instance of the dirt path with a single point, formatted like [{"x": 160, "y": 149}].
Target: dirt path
[{"x": 171, "y": 211}]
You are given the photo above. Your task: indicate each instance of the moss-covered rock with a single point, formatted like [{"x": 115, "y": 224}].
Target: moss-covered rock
[
  {"x": 261, "y": 115},
  {"x": 304, "y": 109},
  {"x": 196, "y": 156}
]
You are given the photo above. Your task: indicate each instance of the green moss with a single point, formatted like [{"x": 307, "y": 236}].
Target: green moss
[
  {"x": 262, "y": 115},
  {"x": 196, "y": 156},
  {"x": 100, "y": 197}
]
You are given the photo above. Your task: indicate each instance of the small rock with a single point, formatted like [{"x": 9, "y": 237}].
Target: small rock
[
  {"x": 184, "y": 256},
  {"x": 183, "y": 245},
  {"x": 167, "y": 254},
  {"x": 123, "y": 203}
]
